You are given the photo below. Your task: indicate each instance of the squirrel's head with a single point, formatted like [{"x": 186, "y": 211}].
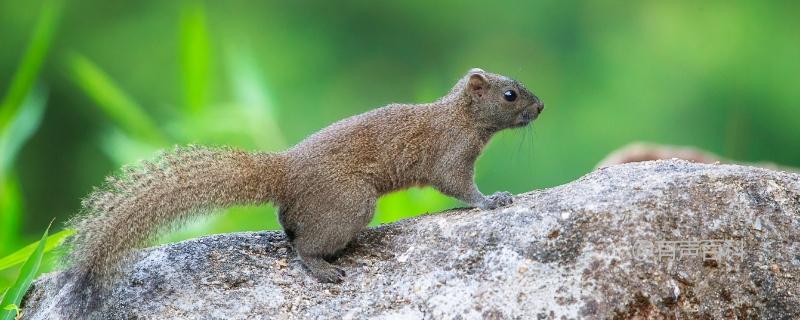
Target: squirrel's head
[{"x": 499, "y": 102}]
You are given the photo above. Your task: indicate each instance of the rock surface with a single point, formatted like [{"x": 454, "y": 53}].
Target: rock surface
[{"x": 573, "y": 251}]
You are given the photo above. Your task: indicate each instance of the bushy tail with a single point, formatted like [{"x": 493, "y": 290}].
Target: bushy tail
[{"x": 133, "y": 207}]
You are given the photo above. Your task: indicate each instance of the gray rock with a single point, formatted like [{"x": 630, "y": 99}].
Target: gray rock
[{"x": 575, "y": 251}]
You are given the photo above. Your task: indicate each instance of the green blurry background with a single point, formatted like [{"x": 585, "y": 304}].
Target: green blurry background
[{"x": 91, "y": 85}]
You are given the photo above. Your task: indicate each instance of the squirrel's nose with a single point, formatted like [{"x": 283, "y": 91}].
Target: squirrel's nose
[{"x": 539, "y": 105}]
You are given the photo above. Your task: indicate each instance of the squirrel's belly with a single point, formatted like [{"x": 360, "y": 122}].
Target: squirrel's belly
[{"x": 397, "y": 185}]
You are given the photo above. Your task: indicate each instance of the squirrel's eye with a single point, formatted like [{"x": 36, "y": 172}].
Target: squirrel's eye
[{"x": 510, "y": 95}]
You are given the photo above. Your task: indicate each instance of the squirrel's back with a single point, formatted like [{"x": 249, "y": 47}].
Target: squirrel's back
[{"x": 392, "y": 147}]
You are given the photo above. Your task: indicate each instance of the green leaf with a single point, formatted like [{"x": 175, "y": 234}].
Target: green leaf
[
  {"x": 117, "y": 105},
  {"x": 26, "y": 276},
  {"x": 21, "y": 112},
  {"x": 194, "y": 55},
  {"x": 19, "y": 256},
  {"x": 25, "y": 122},
  {"x": 28, "y": 70},
  {"x": 13, "y": 307}
]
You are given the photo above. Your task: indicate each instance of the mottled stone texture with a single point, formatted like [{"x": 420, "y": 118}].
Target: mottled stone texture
[{"x": 559, "y": 252}]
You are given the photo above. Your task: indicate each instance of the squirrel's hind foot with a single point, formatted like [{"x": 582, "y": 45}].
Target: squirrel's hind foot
[{"x": 323, "y": 271}]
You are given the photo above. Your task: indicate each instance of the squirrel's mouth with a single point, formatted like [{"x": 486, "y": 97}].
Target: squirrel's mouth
[
  {"x": 528, "y": 115},
  {"x": 524, "y": 119}
]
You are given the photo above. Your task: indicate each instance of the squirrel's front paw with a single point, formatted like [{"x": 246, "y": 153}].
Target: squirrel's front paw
[{"x": 497, "y": 200}]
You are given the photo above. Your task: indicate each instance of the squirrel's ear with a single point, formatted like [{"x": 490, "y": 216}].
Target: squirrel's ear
[{"x": 477, "y": 85}]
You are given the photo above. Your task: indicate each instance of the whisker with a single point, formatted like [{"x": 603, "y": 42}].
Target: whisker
[{"x": 520, "y": 145}]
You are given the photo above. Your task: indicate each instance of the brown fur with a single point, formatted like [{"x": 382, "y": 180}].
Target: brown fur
[{"x": 326, "y": 186}]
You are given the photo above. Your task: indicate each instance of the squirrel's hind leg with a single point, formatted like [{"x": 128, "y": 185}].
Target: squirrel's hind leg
[{"x": 319, "y": 232}]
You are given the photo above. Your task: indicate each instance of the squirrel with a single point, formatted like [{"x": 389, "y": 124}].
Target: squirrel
[{"x": 325, "y": 187}]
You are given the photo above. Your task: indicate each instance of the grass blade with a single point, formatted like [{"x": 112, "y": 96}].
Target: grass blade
[
  {"x": 26, "y": 275},
  {"x": 14, "y": 308},
  {"x": 25, "y": 122},
  {"x": 194, "y": 55},
  {"x": 28, "y": 70},
  {"x": 113, "y": 101},
  {"x": 20, "y": 115},
  {"x": 20, "y": 255}
]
